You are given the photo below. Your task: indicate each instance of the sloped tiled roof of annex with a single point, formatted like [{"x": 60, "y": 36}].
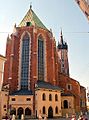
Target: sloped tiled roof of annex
[
  {"x": 22, "y": 92},
  {"x": 32, "y": 17},
  {"x": 46, "y": 85}
]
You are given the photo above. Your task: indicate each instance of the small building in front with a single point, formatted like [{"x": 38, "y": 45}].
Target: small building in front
[
  {"x": 47, "y": 100},
  {"x": 21, "y": 102}
]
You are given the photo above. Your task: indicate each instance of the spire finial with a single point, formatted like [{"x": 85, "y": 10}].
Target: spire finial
[
  {"x": 61, "y": 31},
  {"x": 15, "y": 25},
  {"x": 30, "y": 5},
  {"x": 61, "y": 39},
  {"x": 8, "y": 36},
  {"x": 50, "y": 30}
]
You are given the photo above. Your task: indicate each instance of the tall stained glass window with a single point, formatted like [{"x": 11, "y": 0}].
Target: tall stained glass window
[
  {"x": 40, "y": 59},
  {"x": 25, "y": 62}
]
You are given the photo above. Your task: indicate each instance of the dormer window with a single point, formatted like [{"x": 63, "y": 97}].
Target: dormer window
[
  {"x": 78, "y": 2},
  {"x": 28, "y": 23}
]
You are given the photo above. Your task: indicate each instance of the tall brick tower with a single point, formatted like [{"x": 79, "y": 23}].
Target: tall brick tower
[
  {"x": 63, "y": 55},
  {"x": 30, "y": 52}
]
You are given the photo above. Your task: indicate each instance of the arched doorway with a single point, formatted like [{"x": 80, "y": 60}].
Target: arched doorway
[
  {"x": 19, "y": 112},
  {"x": 13, "y": 111},
  {"x": 65, "y": 104},
  {"x": 50, "y": 112},
  {"x": 28, "y": 111}
]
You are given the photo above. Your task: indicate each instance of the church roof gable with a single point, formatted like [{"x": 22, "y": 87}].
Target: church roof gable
[{"x": 33, "y": 19}]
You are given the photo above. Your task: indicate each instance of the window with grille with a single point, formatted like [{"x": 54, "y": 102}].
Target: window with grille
[
  {"x": 25, "y": 62},
  {"x": 40, "y": 59}
]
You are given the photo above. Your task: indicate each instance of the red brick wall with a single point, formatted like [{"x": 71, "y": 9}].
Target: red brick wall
[
  {"x": 83, "y": 98},
  {"x": 13, "y": 61},
  {"x": 63, "y": 81},
  {"x": 7, "y": 62}
]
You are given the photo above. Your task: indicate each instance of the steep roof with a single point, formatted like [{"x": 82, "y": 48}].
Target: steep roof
[{"x": 32, "y": 18}]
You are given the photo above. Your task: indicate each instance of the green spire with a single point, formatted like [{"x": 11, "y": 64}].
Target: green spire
[{"x": 31, "y": 18}]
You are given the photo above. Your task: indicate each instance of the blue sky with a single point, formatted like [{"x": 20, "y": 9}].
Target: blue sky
[{"x": 55, "y": 14}]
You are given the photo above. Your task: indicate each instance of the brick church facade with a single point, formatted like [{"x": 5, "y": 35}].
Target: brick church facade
[{"x": 36, "y": 70}]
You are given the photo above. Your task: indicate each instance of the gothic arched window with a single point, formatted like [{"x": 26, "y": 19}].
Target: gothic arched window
[
  {"x": 40, "y": 58},
  {"x": 25, "y": 61}
]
